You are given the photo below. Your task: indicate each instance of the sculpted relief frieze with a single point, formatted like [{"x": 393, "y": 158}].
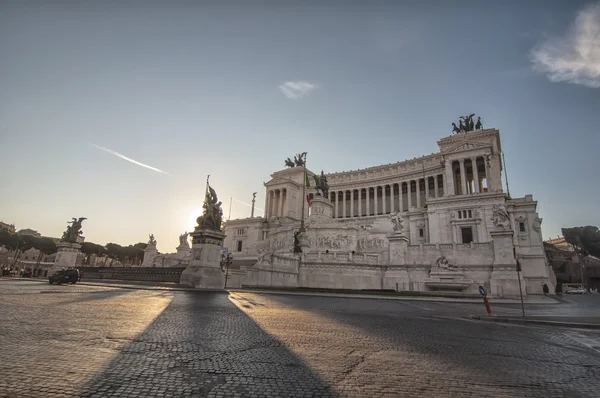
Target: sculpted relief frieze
[
  {"x": 370, "y": 243},
  {"x": 336, "y": 242}
]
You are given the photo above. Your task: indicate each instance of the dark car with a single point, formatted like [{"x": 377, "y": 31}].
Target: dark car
[{"x": 70, "y": 275}]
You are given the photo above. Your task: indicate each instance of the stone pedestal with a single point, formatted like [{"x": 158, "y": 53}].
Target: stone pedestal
[
  {"x": 204, "y": 270},
  {"x": 183, "y": 251},
  {"x": 321, "y": 209},
  {"x": 66, "y": 256},
  {"x": 396, "y": 275},
  {"x": 398, "y": 246},
  {"x": 504, "y": 280},
  {"x": 150, "y": 253}
]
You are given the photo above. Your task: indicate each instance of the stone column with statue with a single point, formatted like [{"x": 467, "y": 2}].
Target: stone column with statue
[
  {"x": 204, "y": 269},
  {"x": 67, "y": 248},
  {"x": 183, "y": 250},
  {"x": 504, "y": 280},
  {"x": 396, "y": 276},
  {"x": 150, "y": 252}
]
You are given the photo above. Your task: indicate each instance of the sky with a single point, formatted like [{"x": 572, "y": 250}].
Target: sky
[{"x": 118, "y": 111}]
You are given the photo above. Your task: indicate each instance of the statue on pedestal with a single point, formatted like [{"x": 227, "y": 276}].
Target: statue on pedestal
[
  {"x": 213, "y": 214},
  {"x": 151, "y": 241},
  {"x": 466, "y": 124},
  {"x": 73, "y": 231},
  {"x": 478, "y": 125},
  {"x": 298, "y": 160},
  {"x": 321, "y": 185},
  {"x": 183, "y": 240},
  {"x": 397, "y": 222}
]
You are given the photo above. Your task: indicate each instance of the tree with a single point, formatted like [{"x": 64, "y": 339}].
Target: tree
[
  {"x": 586, "y": 240},
  {"x": 89, "y": 248}
]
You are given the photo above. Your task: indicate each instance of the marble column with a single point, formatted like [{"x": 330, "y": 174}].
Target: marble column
[
  {"x": 344, "y": 203},
  {"x": 426, "y": 189},
  {"x": 418, "y": 186},
  {"x": 400, "y": 200},
  {"x": 449, "y": 178},
  {"x": 436, "y": 187},
  {"x": 272, "y": 204},
  {"x": 375, "y": 201},
  {"x": 487, "y": 174},
  {"x": 368, "y": 212},
  {"x": 463, "y": 177},
  {"x": 360, "y": 202},
  {"x": 392, "y": 198},
  {"x": 280, "y": 203},
  {"x": 383, "y": 207},
  {"x": 475, "y": 174},
  {"x": 266, "y": 215},
  {"x": 352, "y": 202},
  {"x": 331, "y": 195},
  {"x": 409, "y": 189}
]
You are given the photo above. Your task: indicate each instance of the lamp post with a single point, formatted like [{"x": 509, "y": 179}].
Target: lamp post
[
  {"x": 519, "y": 279},
  {"x": 226, "y": 260}
]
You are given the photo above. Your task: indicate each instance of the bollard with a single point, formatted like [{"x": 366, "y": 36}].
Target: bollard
[
  {"x": 487, "y": 305},
  {"x": 485, "y": 300}
]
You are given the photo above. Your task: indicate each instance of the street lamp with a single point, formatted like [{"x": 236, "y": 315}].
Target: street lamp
[{"x": 226, "y": 260}]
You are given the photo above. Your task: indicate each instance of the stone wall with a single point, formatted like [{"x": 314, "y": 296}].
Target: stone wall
[{"x": 133, "y": 273}]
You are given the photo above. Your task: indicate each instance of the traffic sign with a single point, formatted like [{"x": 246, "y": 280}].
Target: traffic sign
[{"x": 482, "y": 291}]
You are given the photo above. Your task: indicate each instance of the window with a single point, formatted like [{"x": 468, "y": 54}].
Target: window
[
  {"x": 420, "y": 232},
  {"x": 521, "y": 227},
  {"x": 465, "y": 214},
  {"x": 239, "y": 245},
  {"x": 241, "y": 231},
  {"x": 467, "y": 234}
]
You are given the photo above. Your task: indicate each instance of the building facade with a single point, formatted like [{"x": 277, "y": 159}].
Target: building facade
[{"x": 438, "y": 222}]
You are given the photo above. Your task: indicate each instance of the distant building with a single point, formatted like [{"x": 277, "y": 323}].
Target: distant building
[
  {"x": 7, "y": 227},
  {"x": 567, "y": 267}
]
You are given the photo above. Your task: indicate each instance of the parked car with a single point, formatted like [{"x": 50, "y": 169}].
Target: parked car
[
  {"x": 576, "y": 290},
  {"x": 70, "y": 275}
]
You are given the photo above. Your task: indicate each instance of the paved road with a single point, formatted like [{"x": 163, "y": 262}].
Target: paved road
[{"x": 108, "y": 342}]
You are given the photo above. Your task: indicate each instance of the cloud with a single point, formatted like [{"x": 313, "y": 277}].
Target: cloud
[
  {"x": 296, "y": 90},
  {"x": 574, "y": 58},
  {"x": 117, "y": 154}
]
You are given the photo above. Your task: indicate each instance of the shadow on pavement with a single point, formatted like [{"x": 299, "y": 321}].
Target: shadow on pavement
[
  {"x": 204, "y": 345},
  {"x": 425, "y": 352}
]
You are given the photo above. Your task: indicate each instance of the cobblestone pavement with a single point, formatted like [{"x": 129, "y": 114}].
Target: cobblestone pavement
[{"x": 108, "y": 342}]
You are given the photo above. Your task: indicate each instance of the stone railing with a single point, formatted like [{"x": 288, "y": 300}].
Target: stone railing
[{"x": 133, "y": 273}]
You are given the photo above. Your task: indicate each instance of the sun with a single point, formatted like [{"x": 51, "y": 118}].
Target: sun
[{"x": 194, "y": 214}]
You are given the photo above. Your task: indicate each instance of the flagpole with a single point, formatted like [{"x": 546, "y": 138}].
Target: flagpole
[{"x": 303, "y": 195}]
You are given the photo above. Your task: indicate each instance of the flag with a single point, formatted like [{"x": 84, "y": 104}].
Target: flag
[{"x": 307, "y": 182}]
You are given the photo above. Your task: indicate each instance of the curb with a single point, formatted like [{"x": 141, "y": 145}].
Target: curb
[
  {"x": 378, "y": 297},
  {"x": 155, "y": 288},
  {"x": 459, "y": 300},
  {"x": 536, "y": 322}
]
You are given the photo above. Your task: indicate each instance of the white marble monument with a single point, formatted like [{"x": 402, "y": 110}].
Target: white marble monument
[{"x": 437, "y": 222}]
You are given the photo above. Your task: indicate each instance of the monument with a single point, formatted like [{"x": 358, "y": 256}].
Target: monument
[
  {"x": 67, "y": 248},
  {"x": 183, "y": 250},
  {"x": 436, "y": 222},
  {"x": 204, "y": 270},
  {"x": 150, "y": 252},
  {"x": 504, "y": 279}
]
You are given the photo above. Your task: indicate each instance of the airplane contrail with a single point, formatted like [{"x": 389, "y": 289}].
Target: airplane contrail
[
  {"x": 246, "y": 204},
  {"x": 119, "y": 155}
]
